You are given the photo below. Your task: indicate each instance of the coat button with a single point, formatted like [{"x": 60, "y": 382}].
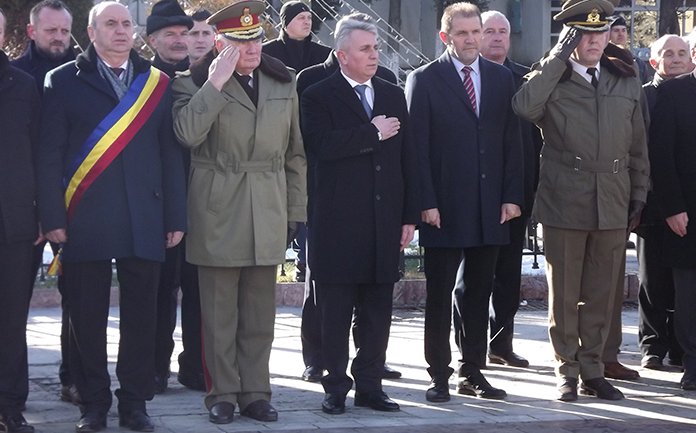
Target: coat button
[
  {"x": 483, "y": 176},
  {"x": 482, "y": 151},
  {"x": 378, "y": 167},
  {"x": 378, "y": 197}
]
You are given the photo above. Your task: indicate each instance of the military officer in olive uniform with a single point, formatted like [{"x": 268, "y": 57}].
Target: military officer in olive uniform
[
  {"x": 592, "y": 186},
  {"x": 237, "y": 109}
]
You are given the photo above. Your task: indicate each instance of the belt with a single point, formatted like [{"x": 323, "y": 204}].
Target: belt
[
  {"x": 273, "y": 165},
  {"x": 577, "y": 163}
]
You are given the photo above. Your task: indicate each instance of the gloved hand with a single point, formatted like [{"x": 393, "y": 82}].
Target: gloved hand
[
  {"x": 292, "y": 231},
  {"x": 568, "y": 40},
  {"x": 635, "y": 208}
]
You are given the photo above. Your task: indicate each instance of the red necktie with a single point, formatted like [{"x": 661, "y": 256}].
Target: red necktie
[{"x": 469, "y": 86}]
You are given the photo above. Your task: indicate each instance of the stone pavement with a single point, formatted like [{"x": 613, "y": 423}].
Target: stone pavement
[{"x": 654, "y": 403}]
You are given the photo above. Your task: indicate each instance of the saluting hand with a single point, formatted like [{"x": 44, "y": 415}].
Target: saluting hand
[
  {"x": 388, "y": 126},
  {"x": 222, "y": 67}
]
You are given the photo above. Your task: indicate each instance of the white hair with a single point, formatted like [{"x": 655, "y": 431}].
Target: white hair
[
  {"x": 355, "y": 21},
  {"x": 485, "y": 16},
  {"x": 91, "y": 21}
]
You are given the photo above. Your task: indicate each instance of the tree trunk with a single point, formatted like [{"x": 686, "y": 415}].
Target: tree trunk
[
  {"x": 668, "y": 22},
  {"x": 395, "y": 23}
]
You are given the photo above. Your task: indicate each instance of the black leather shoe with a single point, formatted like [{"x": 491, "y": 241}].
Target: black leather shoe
[
  {"x": 568, "y": 389},
  {"x": 221, "y": 412},
  {"x": 476, "y": 385},
  {"x": 14, "y": 423},
  {"x": 70, "y": 394},
  {"x": 161, "y": 383},
  {"x": 390, "y": 373},
  {"x": 91, "y": 422},
  {"x": 652, "y": 362},
  {"x": 688, "y": 383},
  {"x": 377, "y": 401},
  {"x": 136, "y": 420},
  {"x": 601, "y": 388},
  {"x": 438, "y": 392},
  {"x": 193, "y": 381},
  {"x": 312, "y": 374},
  {"x": 261, "y": 410},
  {"x": 333, "y": 404},
  {"x": 512, "y": 359}
]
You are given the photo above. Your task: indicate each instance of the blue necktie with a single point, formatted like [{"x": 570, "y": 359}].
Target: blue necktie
[{"x": 361, "y": 88}]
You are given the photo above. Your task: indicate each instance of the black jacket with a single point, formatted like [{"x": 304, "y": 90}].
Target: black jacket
[
  {"x": 19, "y": 119},
  {"x": 37, "y": 65},
  {"x": 296, "y": 54},
  {"x": 170, "y": 68}
]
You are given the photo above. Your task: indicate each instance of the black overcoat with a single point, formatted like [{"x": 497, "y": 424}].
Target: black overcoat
[
  {"x": 365, "y": 190},
  {"x": 469, "y": 165},
  {"x": 19, "y": 119},
  {"x": 140, "y": 196},
  {"x": 672, "y": 149}
]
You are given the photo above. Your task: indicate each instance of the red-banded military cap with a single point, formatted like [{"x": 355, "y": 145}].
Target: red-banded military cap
[
  {"x": 240, "y": 20},
  {"x": 586, "y": 15}
]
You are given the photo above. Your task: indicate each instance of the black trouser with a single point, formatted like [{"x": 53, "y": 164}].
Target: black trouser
[
  {"x": 167, "y": 301},
  {"x": 190, "y": 361},
  {"x": 15, "y": 293},
  {"x": 310, "y": 327},
  {"x": 88, "y": 285},
  {"x": 505, "y": 299},
  {"x": 684, "y": 317},
  {"x": 64, "y": 368},
  {"x": 337, "y": 302},
  {"x": 470, "y": 272},
  {"x": 656, "y": 296}
]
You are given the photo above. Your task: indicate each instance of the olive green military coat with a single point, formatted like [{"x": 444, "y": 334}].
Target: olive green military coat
[
  {"x": 248, "y": 168},
  {"x": 594, "y": 159}
]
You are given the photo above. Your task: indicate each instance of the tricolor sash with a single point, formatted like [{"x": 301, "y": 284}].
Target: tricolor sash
[{"x": 113, "y": 134}]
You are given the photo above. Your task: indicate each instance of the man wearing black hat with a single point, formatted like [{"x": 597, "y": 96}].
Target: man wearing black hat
[
  {"x": 167, "y": 31},
  {"x": 593, "y": 183},
  {"x": 237, "y": 109},
  {"x": 618, "y": 35}
]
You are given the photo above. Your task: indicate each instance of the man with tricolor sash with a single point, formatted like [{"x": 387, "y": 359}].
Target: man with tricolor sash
[{"x": 111, "y": 186}]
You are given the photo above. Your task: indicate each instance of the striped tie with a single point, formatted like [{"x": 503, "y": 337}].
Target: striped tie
[{"x": 469, "y": 86}]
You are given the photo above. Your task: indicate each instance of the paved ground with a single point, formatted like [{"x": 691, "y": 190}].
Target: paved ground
[{"x": 654, "y": 404}]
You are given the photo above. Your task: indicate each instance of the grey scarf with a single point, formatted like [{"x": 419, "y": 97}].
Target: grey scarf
[{"x": 119, "y": 85}]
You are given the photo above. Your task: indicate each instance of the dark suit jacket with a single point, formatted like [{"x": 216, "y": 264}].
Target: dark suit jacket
[
  {"x": 37, "y": 65},
  {"x": 365, "y": 190},
  {"x": 19, "y": 119},
  {"x": 140, "y": 197},
  {"x": 296, "y": 54},
  {"x": 672, "y": 149},
  {"x": 469, "y": 165}
]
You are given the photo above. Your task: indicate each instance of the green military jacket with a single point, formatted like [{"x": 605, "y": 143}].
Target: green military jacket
[
  {"x": 594, "y": 159},
  {"x": 248, "y": 167}
]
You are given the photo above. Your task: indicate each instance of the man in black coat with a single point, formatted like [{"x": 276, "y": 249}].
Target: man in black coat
[
  {"x": 50, "y": 24},
  {"x": 672, "y": 149},
  {"x": 364, "y": 207},
  {"x": 167, "y": 29},
  {"x": 19, "y": 118},
  {"x": 669, "y": 56},
  {"x": 294, "y": 46},
  {"x": 470, "y": 155},
  {"x": 311, "y": 315},
  {"x": 505, "y": 298},
  {"x": 106, "y": 133}
]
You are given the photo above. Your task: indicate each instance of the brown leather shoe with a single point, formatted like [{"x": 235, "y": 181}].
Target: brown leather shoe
[{"x": 616, "y": 370}]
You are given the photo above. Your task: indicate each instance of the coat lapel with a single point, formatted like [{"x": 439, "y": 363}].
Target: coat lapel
[
  {"x": 347, "y": 95},
  {"x": 452, "y": 79},
  {"x": 487, "y": 86},
  {"x": 234, "y": 90}
]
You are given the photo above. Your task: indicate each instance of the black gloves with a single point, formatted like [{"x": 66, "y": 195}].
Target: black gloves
[
  {"x": 292, "y": 231},
  {"x": 568, "y": 40},
  {"x": 635, "y": 208}
]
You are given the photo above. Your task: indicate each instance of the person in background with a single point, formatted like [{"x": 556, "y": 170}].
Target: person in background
[
  {"x": 19, "y": 122},
  {"x": 49, "y": 31},
  {"x": 618, "y": 35},
  {"x": 201, "y": 37}
]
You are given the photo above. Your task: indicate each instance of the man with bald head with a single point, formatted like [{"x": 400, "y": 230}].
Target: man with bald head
[
  {"x": 669, "y": 56},
  {"x": 111, "y": 187}
]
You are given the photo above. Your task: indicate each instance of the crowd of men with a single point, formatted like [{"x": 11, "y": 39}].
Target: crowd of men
[{"x": 195, "y": 170}]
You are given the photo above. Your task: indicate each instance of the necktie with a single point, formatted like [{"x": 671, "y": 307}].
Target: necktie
[
  {"x": 592, "y": 73},
  {"x": 361, "y": 88},
  {"x": 247, "y": 86},
  {"x": 469, "y": 86},
  {"x": 117, "y": 71}
]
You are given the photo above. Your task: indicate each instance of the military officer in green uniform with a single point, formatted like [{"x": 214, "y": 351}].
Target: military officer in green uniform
[
  {"x": 237, "y": 109},
  {"x": 592, "y": 186}
]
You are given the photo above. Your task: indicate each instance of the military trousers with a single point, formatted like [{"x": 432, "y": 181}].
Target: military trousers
[
  {"x": 238, "y": 315},
  {"x": 582, "y": 270}
]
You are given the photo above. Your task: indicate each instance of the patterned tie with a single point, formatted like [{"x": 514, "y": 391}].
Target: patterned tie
[
  {"x": 593, "y": 73},
  {"x": 361, "y": 88},
  {"x": 469, "y": 86},
  {"x": 117, "y": 71}
]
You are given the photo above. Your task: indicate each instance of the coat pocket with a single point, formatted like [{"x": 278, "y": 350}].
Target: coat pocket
[{"x": 217, "y": 185}]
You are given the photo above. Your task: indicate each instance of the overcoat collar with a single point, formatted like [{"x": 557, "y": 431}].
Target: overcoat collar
[
  {"x": 346, "y": 94},
  {"x": 86, "y": 64}
]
